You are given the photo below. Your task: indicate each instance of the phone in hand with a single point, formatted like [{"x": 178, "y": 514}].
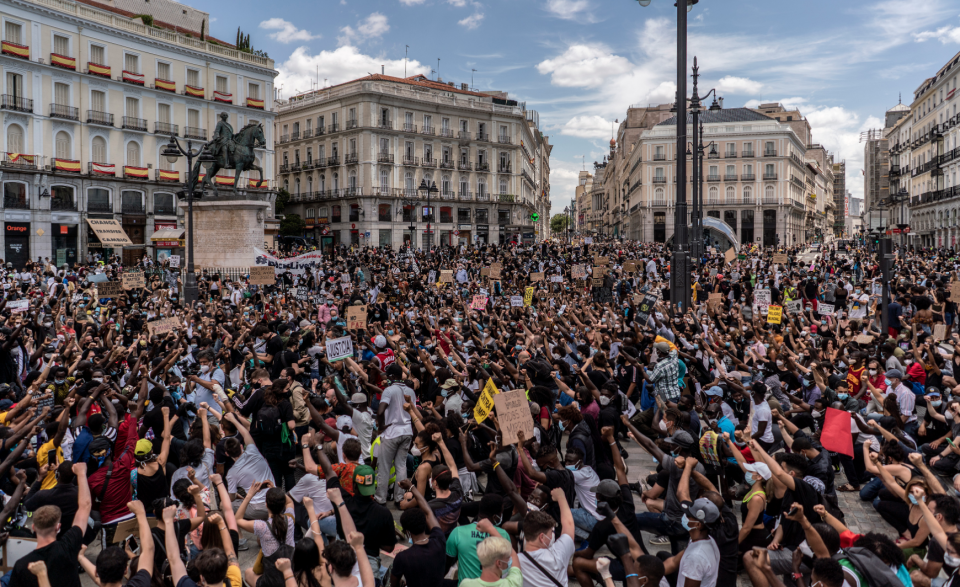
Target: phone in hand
[{"x": 52, "y": 457}]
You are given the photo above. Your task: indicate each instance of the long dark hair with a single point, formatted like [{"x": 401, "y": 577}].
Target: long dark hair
[
  {"x": 273, "y": 395},
  {"x": 306, "y": 558},
  {"x": 277, "y": 505}
]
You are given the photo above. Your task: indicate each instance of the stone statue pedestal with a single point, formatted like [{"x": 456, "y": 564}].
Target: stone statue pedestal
[{"x": 228, "y": 227}]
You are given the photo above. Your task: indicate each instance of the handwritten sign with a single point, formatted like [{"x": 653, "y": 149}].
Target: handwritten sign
[
  {"x": 109, "y": 289},
  {"x": 262, "y": 275},
  {"x": 175, "y": 261},
  {"x": 630, "y": 267},
  {"x": 715, "y": 300},
  {"x": 774, "y": 314},
  {"x": 495, "y": 270},
  {"x": 535, "y": 277},
  {"x": 794, "y": 306},
  {"x": 432, "y": 276},
  {"x": 578, "y": 272},
  {"x": 446, "y": 276},
  {"x": 866, "y": 339},
  {"x": 730, "y": 255},
  {"x": 356, "y": 317},
  {"x": 528, "y": 296},
  {"x": 18, "y": 306},
  {"x": 826, "y": 309},
  {"x": 479, "y": 302},
  {"x": 513, "y": 414},
  {"x": 485, "y": 402},
  {"x": 556, "y": 279},
  {"x": 133, "y": 280},
  {"x": 599, "y": 272},
  {"x": 601, "y": 260},
  {"x": 780, "y": 259},
  {"x": 163, "y": 326},
  {"x": 761, "y": 297},
  {"x": 303, "y": 293},
  {"x": 339, "y": 348},
  {"x": 516, "y": 301},
  {"x": 940, "y": 332},
  {"x": 484, "y": 272}
]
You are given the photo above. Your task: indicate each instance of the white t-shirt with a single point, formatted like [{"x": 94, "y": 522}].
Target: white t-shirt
[
  {"x": 250, "y": 467},
  {"x": 554, "y": 559},
  {"x": 315, "y": 488},
  {"x": 762, "y": 413},
  {"x": 701, "y": 562},
  {"x": 584, "y": 478}
]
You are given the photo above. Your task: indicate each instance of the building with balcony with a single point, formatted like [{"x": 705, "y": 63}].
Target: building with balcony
[
  {"x": 90, "y": 97},
  {"x": 353, "y": 156}
]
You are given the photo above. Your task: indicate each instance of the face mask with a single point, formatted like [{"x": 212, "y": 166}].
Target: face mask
[
  {"x": 204, "y": 368},
  {"x": 913, "y": 499},
  {"x": 779, "y": 364},
  {"x": 887, "y": 382},
  {"x": 443, "y": 393},
  {"x": 663, "y": 425},
  {"x": 561, "y": 425},
  {"x": 873, "y": 372},
  {"x": 936, "y": 403},
  {"x": 843, "y": 396},
  {"x": 572, "y": 467},
  {"x": 748, "y": 477},
  {"x": 948, "y": 415},
  {"x": 506, "y": 571},
  {"x": 59, "y": 381},
  {"x": 815, "y": 414},
  {"x": 550, "y": 541},
  {"x": 952, "y": 561},
  {"x": 685, "y": 522},
  {"x": 415, "y": 451},
  {"x": 98, "y": 379},
  {"x": 604, "y": 400}
]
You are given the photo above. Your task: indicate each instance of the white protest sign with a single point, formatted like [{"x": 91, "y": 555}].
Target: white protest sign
[
  {"x": 18, "y": 306},
  {"x": 516, "y": 301},
  {"x": 761, "y": 297},
  {"x": 794, "y": 306},
  {"x": 825, "y": 309},
  {"x": 174, "y": 260},
  {"x": 339, "y": 348}
]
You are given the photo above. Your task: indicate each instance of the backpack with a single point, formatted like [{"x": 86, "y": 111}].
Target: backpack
[
  {"x": 875, "y": 572},
  {"x": 268, "y": 420}
]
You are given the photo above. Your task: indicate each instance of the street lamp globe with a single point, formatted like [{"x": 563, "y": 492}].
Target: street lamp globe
[
  {"x": 644, "y": 2},
  {"x": 171, "y": 152}
]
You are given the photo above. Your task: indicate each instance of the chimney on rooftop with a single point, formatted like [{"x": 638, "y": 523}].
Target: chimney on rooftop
[
  {"x": 382, "y": 70},
  {"x": 464, "y": 87},
  {"x": 451, "y": 84}
]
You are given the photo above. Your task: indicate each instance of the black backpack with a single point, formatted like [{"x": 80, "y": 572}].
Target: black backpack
[
  {"x": 875, "y": 572},
  {"x": 268, "y": 420}
]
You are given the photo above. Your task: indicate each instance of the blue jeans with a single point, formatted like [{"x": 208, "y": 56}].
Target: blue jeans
[
  {"x": 871, "y": 490},
  {"x": 583, "y": 520},
  {"x": 660, "y": 524}
]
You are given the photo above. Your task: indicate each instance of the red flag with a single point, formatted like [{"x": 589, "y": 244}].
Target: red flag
[{"x": 836, "y": 436}]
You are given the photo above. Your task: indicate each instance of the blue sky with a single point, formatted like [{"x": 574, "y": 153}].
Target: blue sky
[{"x": 580, "y": 63}]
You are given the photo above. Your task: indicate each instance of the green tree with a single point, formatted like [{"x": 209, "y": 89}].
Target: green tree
[
  {"x": 203, "y": 29},
  {"x": 292, "y": 225},
  {"x": 559, "y": 223},
  {"x": 283, "y": 196}
]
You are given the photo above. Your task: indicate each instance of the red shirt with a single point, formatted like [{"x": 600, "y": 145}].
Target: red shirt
[
  {"x": 442, "y": 340},
  {"x": 917, "y": 373},
  {"x": 385, "y": 358},
  {"x": 119, "y": 491}
]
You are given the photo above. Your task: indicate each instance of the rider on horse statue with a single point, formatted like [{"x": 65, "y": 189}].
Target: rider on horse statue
[
  {"x": 233, "y": 151},
  {"x": 222, "y": 137}
]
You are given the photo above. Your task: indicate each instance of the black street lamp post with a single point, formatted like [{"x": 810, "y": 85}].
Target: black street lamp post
[
  {"x": 172, "y": 152},
  {"x": 679, "y": 267},
  {"x": 428, "y": 189},
  {"x": 902, "y": 196}
]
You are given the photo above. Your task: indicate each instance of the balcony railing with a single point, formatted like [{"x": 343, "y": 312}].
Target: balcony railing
[
  {"x": 409, "y": 127},
  {"x": 428, "y": 130},
  {"x": 659, "y": 180},
  {"x": 482, "y": 136},
  {"x": 101, "y": 206},
  {"x": 192, "y": 132},
  {"x": 713, "y": 178},
  {"x": 335, "y": 160},
  {"x": 659, "y": 157},
  {"x": 132, "y": 208},
  {"x": 769, "y": 176},
  {"x": 16, "y": 202},
  {"x": 464, "y": 166},
  {"x": 730, "y": 155},
  {"x": 17, "y": 103},
  {"x": 164, "y": 210},
  {"x": 22, "y": 161},
  {"x": 483, "y": 197},
  {"x": 504, "y": 140},
  {"x": 446, "y": 133},
  {"x": 320, "y": 131},
  {"x": 63, "y": 203},
  {"x": 748, "y": 177},
  {"x": 385, "y": 125},
  {"x": 504, "y": 168},
  {"x": 334, "y": 127},
  {"x": 713, "y": 155},
  {"x": 351, "y": 124},
  {"x": 165, "y": 128},
  {"x": 384, "y": 157},
  {"x": 132, "y": 123},
  {"x": 446, "y": 164},
  {"x": 67, "y": 112},
  {"x": 464, "y": 135},
  {"x": 412, "y": 161},
  {"x": 730, "y": 177},
  {"x": 770, "y": 153},
  {"x": 428, "y": 162},
  {"x": 483, "y": 166},
  {"x": 350, "y": 158},
  {"x": 97, "y": 117},
  {"x": 748, "y": 154},
  {"x": 465, "y": 196}
]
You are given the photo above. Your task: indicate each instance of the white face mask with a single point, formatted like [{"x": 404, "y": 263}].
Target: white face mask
[
  {"x": 815, "y": 414},
  {"x": 604, "y": 400},
  {"x": 204, "y": 368},
  {"x": 550, "y": 541},
  {"x": 948, "y": 415},
  {"x": 873, "y": 372},
  {"x": 951, "y": 561},
  {"x": 663, "y": 425},
  {"x": 415, "y": 451}
]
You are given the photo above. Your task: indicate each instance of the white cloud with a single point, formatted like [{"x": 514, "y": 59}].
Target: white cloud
[
  {"x": 299, "y": 71},
  {"x": 738, "y": 85},
  {"x": 372, "y": 27},
  {"x": 286, "y": 32},
  {"x": 587, "y": 127},
  {"x": 472, "y": 21},
  {"x": 570, "y": 9},
  {"x": 411, "y": 2},
  {"x": 945, "y": 35},
  {"x": 458, "y": 3},
  {"x": 583, "y": 66}
]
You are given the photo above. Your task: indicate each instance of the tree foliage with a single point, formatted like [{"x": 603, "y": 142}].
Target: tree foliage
[
  {"x": 292, "y": 225},
  {"x": 560, "y": 223},
  {"x": 283, "y": 196}
]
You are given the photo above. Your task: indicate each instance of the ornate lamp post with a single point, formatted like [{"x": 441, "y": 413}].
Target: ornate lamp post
[
  {"x": 172, "y": 152},
  {"x": 428, "y": 189}
]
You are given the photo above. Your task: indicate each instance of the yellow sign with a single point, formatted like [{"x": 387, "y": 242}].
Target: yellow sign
[
  {"x": 485, "y": 401},
  {"x": 774, "y": 314},
  {"x": 528, "y": 296},
  {"x": 39, "y": 232}
]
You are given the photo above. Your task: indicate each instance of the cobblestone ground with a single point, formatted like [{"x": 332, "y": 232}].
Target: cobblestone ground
[{"x": 860, "y": 516}]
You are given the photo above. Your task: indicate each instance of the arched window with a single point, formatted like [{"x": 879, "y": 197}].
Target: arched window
[
  {"x": 503, "y": 185},
  {"x": 15, "y": 195},
  {"x": 336, "y": 181},
  {"x": 133, "y": 153},
  {"x": 353, "y": 181},
  {"x": 408, "y": 183},
  {"x": 323, "y": 182},
  {"x": 731, "y": 196},
  {"x": 15, "y": 139},
  {"x": 61, "y": 198},
  {"x": 296, "y": 186},
  {"x": 309, "y": 184},
  {"x": 131, "y": 202},
  {"x": 658, "y": 197},
  {"x": 747, "y": 195},
  {"x": 98, "y": 200},
  {"x": 99, "y": 150},
  {"x": 163, "y": 203},
  {"x": 384, "y": 179},
  {"x": 445, "y": 184},
  {"x": 768, "y": 195},
  {"x": 714, "y": 196},
  {"x": 63, "y": 145},
  {"x": 481, "y": 187}
]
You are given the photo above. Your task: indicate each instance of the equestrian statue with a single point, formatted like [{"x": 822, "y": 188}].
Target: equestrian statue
[{"x": 232, "y": 151}]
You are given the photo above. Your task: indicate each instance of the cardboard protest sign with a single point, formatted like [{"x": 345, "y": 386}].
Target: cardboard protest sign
[
  {"x": 484, "y": 271},
  {"x": 630, "y": 267},
  {"x": 715, "y": 299},
  {"x": 262, "y": 275},
  {"x": 535, "y": 277},
  {"x": 133, "y": 280},
  {"x": 955, "y": 291},
  {"x": 794, "y": 306},
  {"x": 601, "y": 260},
  {"x": 761, "y": 297},
  {"x": 446, "y": 276},
  {"x": 597, "y": 282},
  {"x": 109, "y": 289},
  {"x": 479, "y": 302},
  {"x": 836, "y": 435},
  {"x": 495, "y": 270},
  {"x": 864, "y": 339},
  {"x": 485, "y": 402},
  {"x": 730, "y": 255},
  {"x": 163, "y": 326},
  {"x": 339, "y": 348},
  {"x": 780, "y": 259},
  {"x": 303, "y": 293},
  {"x": 18, "y": 306},
  {"x": 940, "y": 332},
  {"x": 109, "y": 232},
  {"x": 356, "y": 317},
  {"x": 528, "y": 296},
  {"x": 826, "y": 309},
  {"x": 578, "y": 272},
  {"x": 516, "y": 301},
  {"x": 513, "y": 414},
  {"x": 713, "y": 273},
  {"x": 774, "y": 314},
  {"x": 175, "y": 261}
]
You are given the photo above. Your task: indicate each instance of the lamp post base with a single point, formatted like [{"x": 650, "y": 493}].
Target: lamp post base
[
  {"x": 191, "y": 292},
  {"x": 680, "y": 279}
]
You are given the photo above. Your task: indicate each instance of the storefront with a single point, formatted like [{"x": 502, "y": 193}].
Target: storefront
[
  {"x": 167, "y": 240},
  {"x": 328, "y": 239},
  {"x": 483, "y": 234},
  {"x": 135, "y": 227},
  {"x": 16, "y": 236},
  {"x": 466, "y": 236},
  {"x": 64, "y": 243},
  {"x": 529, "y": 238}
]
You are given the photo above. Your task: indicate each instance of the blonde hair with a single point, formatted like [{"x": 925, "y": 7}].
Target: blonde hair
[{"x": 493, "y": 549}]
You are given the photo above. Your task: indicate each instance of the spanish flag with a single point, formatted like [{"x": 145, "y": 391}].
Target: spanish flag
[
  {"x": 223, "y": 180},
  {"x": 135, "y": 78},
  {"x": 103, "y": 168},
  {"x": 162, "y": 84},
  {"x": 138, "y": 172},
  {"x": 169, "y": 175},
  {"x": 98, "y": 69},
  {"x": 62, "y": 61},
  {"x": 15, "y": 49},
  {"x": 223, "y": 97},
  {"x": 252, "y": 103},
  {"x": 66, "y": 165},
  {"x": 262, "y": 184},
  {"x": 192, "y": 91},
  {"x": 20, "y": 158}
]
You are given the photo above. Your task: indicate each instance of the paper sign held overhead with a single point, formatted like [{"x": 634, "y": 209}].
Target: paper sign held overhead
[
  {"x": 163, "y": 326},
  {"x": 630, "y": 267},
  {"x": 774, "y": 314},
  {"x": 513, "y": 414},
  {"x": 261, "y": 275},
  {"x": 485, "y": 401},
  {"x": 495, "y": 270},
  {"x": 109, "y": 289},
  {"x": 446, "y": 276},
  {"x": 479, "y": 302},
  {"x": 528, "y": 296},
  {"x": 175, "y": 261},
  {"x": 133, "y": 280},
  {"x": 794, "y": 306},
  {"x": 356, "y": 317},
  {"x": 535, "y": 277},
  {"x": 826, "y": 309},
  {"x": 516, "y": 301},
  {"x": 18, "y": 306},
  {"x": 730, "y": 255},
  {"x": 339, "y": 348}
]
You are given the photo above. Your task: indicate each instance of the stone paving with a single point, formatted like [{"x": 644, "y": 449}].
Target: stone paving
[{"x": 860, "y": 516}]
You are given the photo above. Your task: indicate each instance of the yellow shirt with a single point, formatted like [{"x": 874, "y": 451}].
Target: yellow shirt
[
  {"x": 50, "y": 481},
  {"x": 233, "y": 573}
]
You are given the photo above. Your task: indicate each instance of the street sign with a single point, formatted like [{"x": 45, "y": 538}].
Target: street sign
[
  {"x": 366, "y": 234},
  {"x": 456, "y": 233},
  {"x": 534, "y": 216}
]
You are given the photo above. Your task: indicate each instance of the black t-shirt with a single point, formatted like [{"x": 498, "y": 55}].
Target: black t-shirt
[
  {"x": 61, "y": 560},
  {"x": 419, "y": 564},
  {"x": 627, "y": 513},
  {"x": 274, "y": 346},
  {"x": 935, "y": 554},
  {"x": 139, "y": 579},
  {"x": 804, "y": 494},
  {"x": 563, "y": 479},
  {"x": 626, "y": 374}
]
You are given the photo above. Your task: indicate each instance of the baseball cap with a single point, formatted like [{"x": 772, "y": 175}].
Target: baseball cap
[
  {"x": 380, "y": 341},
  {"x": 344, "y": 421},
  {"x": 358, "y": 398},
  {"x": 144, "y": 447},
  {"x": 363, "y": 480},
  {"x": 760, "y": 469},
  {"x": 681, "y": 438},
  {"x": 606, "y": 488},
  {"x": 894, "y": 374},
  {"x": 715, "y": 390},
  {"x": 450, "y": 383},
  {"x": 703, "y": 510}
]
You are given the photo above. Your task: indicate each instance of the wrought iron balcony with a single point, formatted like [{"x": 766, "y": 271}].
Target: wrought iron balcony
[
  {"x": 427, "y": 130},
  {"x": 384, "y": 157},
  {"x": 192, "y": 132},
  {"x": 350, "y": 158},
  {"x": 97, "y": 117},
  {"x": 165, "y": 128},
  {"x": 132, "y": 123},
  {"x": 67, "y": 112},
  {"x": 17, "y": 103},
  {"x": 411, "y": 161},
  {"x": 713, "y": 178},
  {"x": 504, "y": 140},
  {"x": 769, "y": 176},
  {"x": 409, "y": 127},
  {"x": 770, "y": 153}
]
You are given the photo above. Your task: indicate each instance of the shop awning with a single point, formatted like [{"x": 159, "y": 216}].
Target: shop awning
[{"x": 168, "y": 234}]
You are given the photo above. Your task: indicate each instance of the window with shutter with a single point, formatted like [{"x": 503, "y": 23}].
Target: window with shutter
[
  {"x": 193, "y": 118},
  {"x": 63, "y": 145},
  {"x": 99, "y": 150},
  {"x": 133, "y": 154},
  {"x": 133, "y": 107},
  {"x": 14, "y": 139},
  {"x": 13, "y": 32},
  {"x": 131, "y": 63},
  {"x": 61, "y": 94},
  {"x": 61, "y": 45},
  {"x": 193, "y": 78},
  {"x": 14, "y": 85},
  {"x": 163, "y": 113},
  {"x": 163, "y": 71},
  {"x": 222, "y": 85},
  {"x": 98, "y": 101},
  {"x": 98, "y": 55},
  {"x": 253, "y": 91}
]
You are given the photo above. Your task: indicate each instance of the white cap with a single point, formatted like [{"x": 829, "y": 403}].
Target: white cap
[{"x": 380, "y": 341}]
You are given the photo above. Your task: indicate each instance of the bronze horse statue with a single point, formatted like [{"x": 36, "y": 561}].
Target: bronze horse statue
[{"x": 237, "y": 154}]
